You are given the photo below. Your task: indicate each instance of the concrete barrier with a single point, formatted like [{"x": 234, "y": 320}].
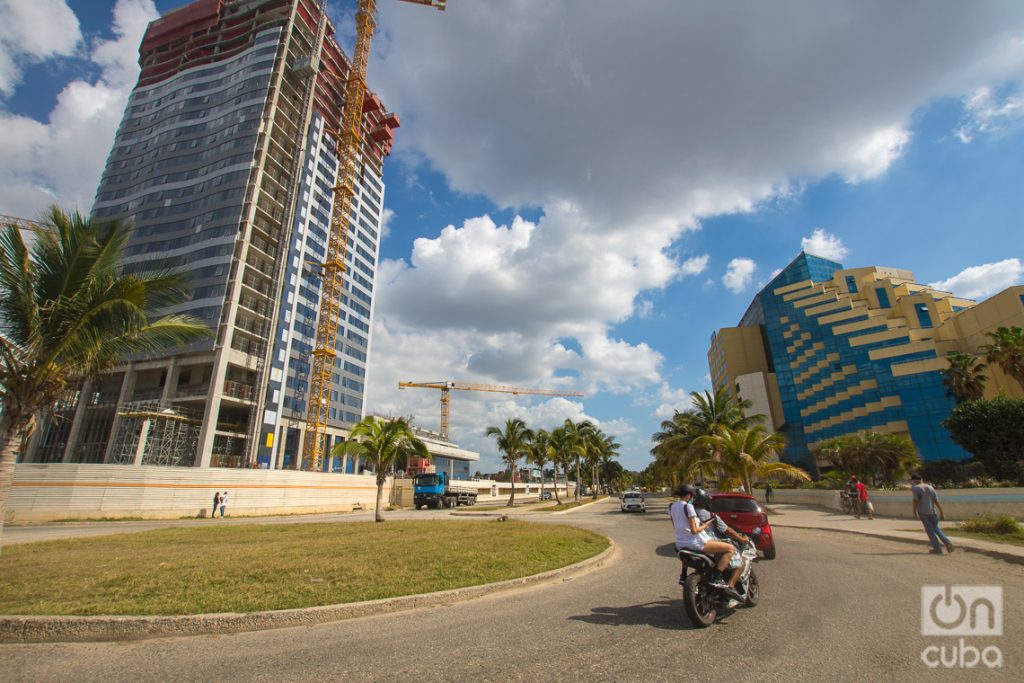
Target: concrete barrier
[
  {"x": 48, "y": 492},
  {"x": 958, "y": 504}
]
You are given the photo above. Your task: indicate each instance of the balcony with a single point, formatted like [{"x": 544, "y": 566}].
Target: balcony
[{"x": 239, "y": 390}]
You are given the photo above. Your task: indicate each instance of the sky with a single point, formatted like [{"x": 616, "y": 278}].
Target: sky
[{"x": 582, "y": 192}]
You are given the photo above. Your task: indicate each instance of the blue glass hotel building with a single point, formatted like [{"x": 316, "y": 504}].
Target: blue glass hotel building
[{"x": 825, "y": 350}]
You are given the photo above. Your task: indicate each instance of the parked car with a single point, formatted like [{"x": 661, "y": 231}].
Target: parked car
[
  {"x": 546, "y": 495},
  {"x": 632, "y": 502},
  {"x": 742, "y": 512}
]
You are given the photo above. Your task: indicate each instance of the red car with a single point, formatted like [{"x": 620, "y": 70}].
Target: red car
[{"x": 742, "y": 512}]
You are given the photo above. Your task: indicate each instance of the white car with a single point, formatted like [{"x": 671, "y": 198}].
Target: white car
[{"x": 632, "y": 501}]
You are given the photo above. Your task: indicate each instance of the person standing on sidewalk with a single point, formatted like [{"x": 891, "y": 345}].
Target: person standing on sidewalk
[
  {"x": 216, "y": 504},
  {"x": 768, "y": 494},
  {"x": 862, "y": 501},
  {"x": 223, "y": 503},
  {"x": 926, "y": 502}
]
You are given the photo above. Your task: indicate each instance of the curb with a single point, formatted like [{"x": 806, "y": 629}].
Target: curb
[
  {"x": 580, "y": 507},
  {"x": 960, "y": 547},
  {"x": 40, "y": 629}
]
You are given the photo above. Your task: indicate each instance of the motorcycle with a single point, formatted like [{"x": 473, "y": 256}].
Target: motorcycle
[{"x": 701, "y": 599}]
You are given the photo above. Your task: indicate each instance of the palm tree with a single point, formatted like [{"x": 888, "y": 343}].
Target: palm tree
[
  {"x": 1007, "y": 351},
  {"x": 382, "y": 443},
  {"x": 577, "y": 435},
  {"x": 606, "y": 448},
  {"x": 868, "y": 453},
  {"x": 514, "y": 443},
  {"x": 711, "y": 414},
  {"x": 558, "y": 440},
  {"x": 69, "y": 311},
  {"x": 963, "y": 378},
  {"x": 540, "y": 455},
  {"x": 751, "y": 454}
]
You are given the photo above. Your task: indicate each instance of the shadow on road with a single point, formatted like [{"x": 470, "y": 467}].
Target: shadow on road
[
  {"x": 666, "y": 614},
  {"x": 667, "y": 550},
  {"x": 917, "y": 553}
]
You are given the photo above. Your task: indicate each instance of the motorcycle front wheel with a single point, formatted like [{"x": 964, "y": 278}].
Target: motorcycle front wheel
[
  {"x": 698, "y": 602},
  {"x": 753, "y": 595}
]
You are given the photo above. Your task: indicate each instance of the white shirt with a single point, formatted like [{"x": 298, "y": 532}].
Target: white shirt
[{"x": 681, "y": 514}]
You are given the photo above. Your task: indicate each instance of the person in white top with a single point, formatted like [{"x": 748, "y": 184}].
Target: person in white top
[{"x": 692, "y": 535}]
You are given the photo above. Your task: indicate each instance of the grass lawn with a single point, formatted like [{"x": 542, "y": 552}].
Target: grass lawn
[
  {"x": 253, "y": 567},
  {"x": 1013, "y": 539}
]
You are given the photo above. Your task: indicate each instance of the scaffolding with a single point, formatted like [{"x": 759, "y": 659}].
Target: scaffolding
[{"x": 154, "y": 435}]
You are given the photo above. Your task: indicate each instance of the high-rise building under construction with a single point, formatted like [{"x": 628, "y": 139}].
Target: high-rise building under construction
[{"x": 225, "y": 163}]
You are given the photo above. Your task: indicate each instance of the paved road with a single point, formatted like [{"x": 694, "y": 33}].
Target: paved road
[{"x": 834, "y": 607}]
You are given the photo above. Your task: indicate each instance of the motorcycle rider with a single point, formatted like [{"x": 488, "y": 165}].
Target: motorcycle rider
[
  {"x": 690, "y": 534},
  {"x": 720, "y": 531}
]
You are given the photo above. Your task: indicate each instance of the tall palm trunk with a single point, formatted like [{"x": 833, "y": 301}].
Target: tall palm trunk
[
  {"x": 558, "y": 499},
  {"x": 378, "y": 514},
  {"x": 13, "y": 431},
  {"x": 593, "y": 482},
  {"x": 576, "y": 493},
  {"x": 512, "y": 479}
]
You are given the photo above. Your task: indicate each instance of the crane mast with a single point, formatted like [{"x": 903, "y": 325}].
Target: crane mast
[
  {"x": 447, "y": 386},
  {"x": 349, "y": 138}
]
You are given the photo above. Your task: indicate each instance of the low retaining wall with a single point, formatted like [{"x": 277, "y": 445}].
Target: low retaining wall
[
  {"x": 958, "y": 504},
  {"x": 48, "y": 492},
  {"x": 64, "y": 491}
]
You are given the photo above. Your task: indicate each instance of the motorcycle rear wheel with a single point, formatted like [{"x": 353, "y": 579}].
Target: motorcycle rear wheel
[
  {"x": 698, "y": 602},
  {"x": 753, "y": 591}
]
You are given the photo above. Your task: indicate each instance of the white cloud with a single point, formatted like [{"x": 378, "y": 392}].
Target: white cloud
[
  {"x": 387, "y": 216},
  {"x": 670, "y": 401},
  {"x": 987, "y": 112},
  {"x": 823, "y": 244},
  {"x": 60, "y": 160},
  {"x": 980, "y": 282},
  {"x": 695, "y": 265},
  {"x": 523, "y": 103},
  {"x": 738, "y": 274},
  {"x": 32, "y": 31}
]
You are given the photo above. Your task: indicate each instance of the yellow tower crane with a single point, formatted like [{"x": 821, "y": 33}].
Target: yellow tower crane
[
  {"x": 349, "y": 138},
  {"x": 446, "y": 388}
]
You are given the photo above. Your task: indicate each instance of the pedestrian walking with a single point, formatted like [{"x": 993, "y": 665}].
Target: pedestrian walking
[
  {"x": 767, "y": 494},
  {"x": 863, "y": 504},
  {"x": 926, "y": 502},
  {"x": 223, "y": 503},
  {"x": 216, "y": 504}
]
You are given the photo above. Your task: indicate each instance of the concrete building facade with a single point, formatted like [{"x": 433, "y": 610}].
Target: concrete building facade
[
  {"x": 832, "y": 351},
  {"x": 225, "y": 164}
]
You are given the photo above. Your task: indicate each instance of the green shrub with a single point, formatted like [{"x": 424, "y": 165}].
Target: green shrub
[{"x": 1001, "y": 525}]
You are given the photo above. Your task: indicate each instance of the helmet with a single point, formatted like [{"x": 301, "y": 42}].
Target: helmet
[
  {"x": 686, "y": 490},
  {"x": 702, "y": 499}
]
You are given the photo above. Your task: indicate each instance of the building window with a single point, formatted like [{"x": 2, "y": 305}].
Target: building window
[
  {"x": 883, "y": 297},
  {"x": 851, "y": 284},
  {"x": 923, "y": 317}
]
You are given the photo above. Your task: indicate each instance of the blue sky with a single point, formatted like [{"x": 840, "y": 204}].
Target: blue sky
[{"x": 579, "y": 196}]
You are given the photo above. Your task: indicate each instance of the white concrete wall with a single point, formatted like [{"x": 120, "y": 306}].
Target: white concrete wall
[
  {"x": 958, "y": 504},
  {"x": 64, "y": 491}
]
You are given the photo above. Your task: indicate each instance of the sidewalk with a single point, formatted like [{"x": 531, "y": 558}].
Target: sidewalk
[{"x": 783, "y": 515}]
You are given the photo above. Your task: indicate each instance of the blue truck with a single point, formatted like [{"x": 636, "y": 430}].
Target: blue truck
[{"x": 436, "y": 490}]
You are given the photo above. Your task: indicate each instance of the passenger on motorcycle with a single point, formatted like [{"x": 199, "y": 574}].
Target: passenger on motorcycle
[
  {"x": 720, "y": 531},
  {"x": 692, "y": 535}
]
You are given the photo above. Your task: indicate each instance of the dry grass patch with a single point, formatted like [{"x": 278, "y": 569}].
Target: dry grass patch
[{"x": 266, "y": 567}]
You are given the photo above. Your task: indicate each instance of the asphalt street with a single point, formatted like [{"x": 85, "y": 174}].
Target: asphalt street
[{"x": 833, "y": 607}]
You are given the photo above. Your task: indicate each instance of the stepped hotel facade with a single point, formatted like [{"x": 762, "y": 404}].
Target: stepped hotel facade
[{"x": 824, "y": 351}]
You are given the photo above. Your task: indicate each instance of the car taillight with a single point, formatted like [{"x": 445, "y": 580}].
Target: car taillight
[{"x": 764, "y": 520}]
